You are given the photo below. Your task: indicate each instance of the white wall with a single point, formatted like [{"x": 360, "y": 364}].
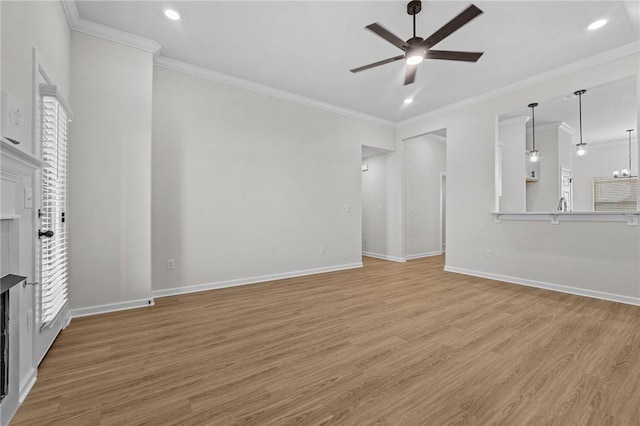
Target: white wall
[
  {"x": 109, "y": 173},
  {"x": 426, "y": 161},
  {"x": 602, "y": 159},
  {"x": 246, "y": 185},
  {"x": 544, "y": 194},
  {"x": 24, "y": 26},
  {"x": 592, "y": 256},
  {"x": 512, "y": 142}
]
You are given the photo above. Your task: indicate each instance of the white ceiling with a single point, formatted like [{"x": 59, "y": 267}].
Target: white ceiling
[
  {"x": 308, "y": 47},
  {"x": 607, "y": 111}
]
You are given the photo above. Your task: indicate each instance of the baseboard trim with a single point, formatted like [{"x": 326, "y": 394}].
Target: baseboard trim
[
  {"x": 421, "y": 255},
  {"x": 110, "y": 307},
  {"x": 548, "y": 286},
  {"x": 251, "y": 280},
  {"x": 384, "y": 257},
  {"x": 27, "y": 383}
]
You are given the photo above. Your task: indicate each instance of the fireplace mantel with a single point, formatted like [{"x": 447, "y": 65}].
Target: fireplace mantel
[
  {"x": 18, "y": 180},
  {"x": 17, "y": 161},
  {"x": 9, "y": 281}
]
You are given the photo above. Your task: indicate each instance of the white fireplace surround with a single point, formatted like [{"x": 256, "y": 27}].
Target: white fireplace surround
[{"x": 17, "y": 177}]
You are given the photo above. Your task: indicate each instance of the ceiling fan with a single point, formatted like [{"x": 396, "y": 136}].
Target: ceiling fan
[{"x": 416, "y": 48}]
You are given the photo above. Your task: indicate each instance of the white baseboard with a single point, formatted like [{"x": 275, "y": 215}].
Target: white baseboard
[
  {"x": 27, "y": 383},
  {"x": 421, "y": 255},
  {"x": 548, "y": 286},
  {"x": 110, "y": 307},
  {"x": 251, "y": 280},
  {"x": 384, "y": 257}
]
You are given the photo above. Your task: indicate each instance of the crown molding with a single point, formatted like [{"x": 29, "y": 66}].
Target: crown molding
[
  {"x": 79, "y": 24},
  {"x": 521, "y": 119},
  {"x": 610, "y": 142},
  {"x": 85, "y": 26},
  {"x": 567, "y": 128},
  {"x": 76, "y": 23},
  {"x": 207, "y": 74},
  {"x": 608, "y": 56}
]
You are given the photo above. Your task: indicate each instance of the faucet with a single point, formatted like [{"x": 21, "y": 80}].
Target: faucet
[{"x": 562, "y": 205}]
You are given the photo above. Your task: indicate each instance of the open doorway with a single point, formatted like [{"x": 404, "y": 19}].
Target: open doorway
[
  {"x": 425, "y": 194},
  {"x": 374, "y": 201}
]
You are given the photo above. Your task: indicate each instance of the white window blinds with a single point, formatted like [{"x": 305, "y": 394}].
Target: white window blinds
[
  {"x": 54, "y": 262},
  {"x": 612, "y": 195}
]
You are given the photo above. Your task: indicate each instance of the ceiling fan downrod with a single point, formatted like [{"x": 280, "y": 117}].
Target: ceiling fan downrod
[{"x": 413, "y": 8}]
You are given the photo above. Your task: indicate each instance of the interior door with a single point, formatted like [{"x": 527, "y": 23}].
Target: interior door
[{"x": 566, "y": 189}]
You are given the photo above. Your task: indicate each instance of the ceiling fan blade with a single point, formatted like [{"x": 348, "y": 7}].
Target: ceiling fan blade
[
  {"x": 375, "y": 64},
  {"x": 387, "y": 35},
  {"x": 411, "y": 74},
  {"x": 452, "y": 26},
  {"x": 451, "y": 55}
]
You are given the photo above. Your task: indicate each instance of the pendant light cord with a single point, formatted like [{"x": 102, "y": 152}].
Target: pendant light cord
[
  {"x": 533, "y": 123},
  {"x": 629, "y": 131},
  {"x": 533, "y": 126},
  {"x": 580, "y": 108}
]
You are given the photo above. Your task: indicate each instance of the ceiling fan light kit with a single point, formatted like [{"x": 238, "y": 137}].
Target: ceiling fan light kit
[{"x": 416, "y": 49}]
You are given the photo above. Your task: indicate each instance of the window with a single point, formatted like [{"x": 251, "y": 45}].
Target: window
[
  {"x": 613, "y": 195},
  {"x": 54, "y": 263}
]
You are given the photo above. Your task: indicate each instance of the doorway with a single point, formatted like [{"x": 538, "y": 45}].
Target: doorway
[{"x": 425, "y": 216}]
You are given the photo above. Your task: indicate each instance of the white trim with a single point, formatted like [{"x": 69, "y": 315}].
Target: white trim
[
  {"x": 110, "y": 307},
  {"x": 384, "y": 257},
  {"x": 557, "y": 125},
  {"x": 443, "y": 206},
  {"x": 76, "y": 23},
  {"x": 506, "y": 122},
  {"x": 27, "y": 383},
  {"x": 79, "y": 24},
  {"x": 25, "y": 163},
  {"x": 631, "y": 218},
  {"x": 207, "y": 74},
  {"x": 567, "y": 128},
  {"x": 610, "y": 142},
  {"x": 608, "y": 56},
  {"x": 251, "y": 280},
  {"x": 548, "y": 286},
  {"x": 421, "y": 255}
]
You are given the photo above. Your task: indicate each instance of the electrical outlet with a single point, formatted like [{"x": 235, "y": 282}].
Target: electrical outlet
[
  {"x": 322, "y": 250},
  {"x": 170, "y": 264},
  {"x": 346, "y": 208},
  {"x": 488, "y": 254},
  {"x": 29, "y": 319}
]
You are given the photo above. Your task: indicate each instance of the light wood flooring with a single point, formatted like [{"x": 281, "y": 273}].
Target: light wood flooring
[{"x": 388, "y": 344}]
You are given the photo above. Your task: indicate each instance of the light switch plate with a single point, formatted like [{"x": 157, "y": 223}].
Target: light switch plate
[{"x": 28, "y": 198}]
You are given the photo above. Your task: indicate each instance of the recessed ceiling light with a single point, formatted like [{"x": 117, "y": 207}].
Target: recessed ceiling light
[
  {"x": 172, "y": 14},
  {"x": 597, "y": 24},
  {"x": 408, "y": 100}
]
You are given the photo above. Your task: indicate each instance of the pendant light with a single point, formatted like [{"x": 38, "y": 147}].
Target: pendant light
[
  {"x": 534, "y": 154},
  {"x": 625, "y": 173},
  {"x": 581, "y": 148}
]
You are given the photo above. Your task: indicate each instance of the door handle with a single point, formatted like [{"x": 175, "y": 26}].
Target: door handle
[{"x": 47, "y": 234}]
